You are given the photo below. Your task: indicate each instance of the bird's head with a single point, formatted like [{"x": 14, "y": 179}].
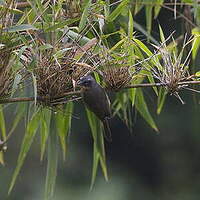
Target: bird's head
[{"x": 86, "y": 81}]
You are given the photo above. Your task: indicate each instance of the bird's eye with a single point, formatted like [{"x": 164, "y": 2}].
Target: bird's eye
[{"x": 87, "y": 83}]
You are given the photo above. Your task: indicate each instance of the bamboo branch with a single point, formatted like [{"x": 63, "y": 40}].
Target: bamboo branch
[
  {"x": 46, "y": 99},
  {"x": 160, "y": 84},
  {"x": 39, "y": 99}
]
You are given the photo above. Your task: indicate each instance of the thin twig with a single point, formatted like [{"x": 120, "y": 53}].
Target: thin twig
[
  {"x": 39, "y": 99},
  {"x": 160, "y": 84}
]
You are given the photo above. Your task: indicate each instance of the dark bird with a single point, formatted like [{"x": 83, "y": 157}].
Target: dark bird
[{"x": 97, "y": 101}]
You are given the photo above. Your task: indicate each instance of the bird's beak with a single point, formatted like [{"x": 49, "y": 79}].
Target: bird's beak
[{"x": 79, "y": 82}]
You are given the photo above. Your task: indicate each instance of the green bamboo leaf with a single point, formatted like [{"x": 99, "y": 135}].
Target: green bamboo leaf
[
  {"x": 97, "y": 133},
  {"x": 132, "y": 93},
  {"x": 117, "y": 45},
  {"x": 161, "y": 99},
  {"x": 130, "y": 26},
  {"x": 2, "y": 123},
  {"x": 19, "y": 115},
  {"x": 196, "y": 42},
  {"x": 92, "y": 123},
  {"x": 141, "y": 106},
  {"x": 85, "y": 14},
  {"x": 117, "y": 11},
  {"x": 157, "y": 7},
  {"x": 63, "y": 125},
  {"x": 1, "y": 158},
  {"x": 197, "y": 74},
  {"x": 102, "y": 154},
  {"x": 94, "y": 165},
  {"x": 61, "y": 25},
  {"x": 16, "y": 82},
  {"x": 44, "y": 130},
  {"x": 143, "y": 47},
  {"x": 22, "y": 27},
  {"x": 3, "y": 131},
  {"x": 162, "y": 36},
  {"x": 34, "y": 87},
  {"x": 138, "y": 6},
  {"x": 25, "y": 146},
  {"x": 151, "y": 80},
  {"x": 52, "y": 158},
  {"x": 148, "y": 11}
]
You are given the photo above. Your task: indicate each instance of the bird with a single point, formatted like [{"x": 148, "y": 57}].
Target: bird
[{"x": 97, "y": 101}]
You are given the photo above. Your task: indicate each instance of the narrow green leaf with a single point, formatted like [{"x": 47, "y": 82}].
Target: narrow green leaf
[
  {"x": 61, "y": 24},
  {"x": 143, "y": 47},
  {"x": 102, "y": 154},
  {"x": 44, "y": 130},
  {"x": 97, "y": 133},
  {"x": 132, "y": 93},
  {"x": 162, "y": 36},
  {"x": 151, "y": 80},
  {"x": 16, "y": 82},
  {"x": 196, "y": 42},
  {"x": 117, "y": 11},
  {"x": 63, "y": 125},
  {"x": 34, "y": 87},
  {"x": 197, "y": 74},
  {"x": 141, "y": 106},
  {"x": 94, "y": 165},
  {"x": 1, "y": 158},
  {"x": 157, "y": 7},
  {"x": 148, "y": 10},
  {"x": 22, "y": 27},
  {"x": 2, "y": 123},
  {"x": 3, "y": 131},
  {"x": 25, "y": 146},
  {"x": 84, "y": 16},
  {"x": 161, "y": 99},
  {"x": 93, "y": 126},
  {"x": 52, "y": 158},
  {"x": 130, "y": 26},
  {"x": 19, "y": 115}
]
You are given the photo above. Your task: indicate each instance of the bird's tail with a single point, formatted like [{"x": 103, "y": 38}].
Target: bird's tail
[{"x": 107, "y": 131}]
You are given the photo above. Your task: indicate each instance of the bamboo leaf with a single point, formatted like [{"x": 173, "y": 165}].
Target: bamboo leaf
[
  {"x": 132, "y": 93},
  {"x": 2, "y": 123},
  {"x": 141, "y": 106},
  {"x": 161, "y": 99},
  {"x": 143, "y": 47},
  {"x": 117, "y": 11},
  {"x": 52, "y": 158},
  {"x": 148, "y": 11},
  {"x": 17, "y": 28},
  {"x": 94, "y": 165},
  {"x": 85, "y": 14},
  {"x": 61, "y": 24},
  {"x": 162, "y": 36},
  {"x": 99, "y": 150},
  {"x": 19, "y": 114},
  {"x": 130, "y": 26},
  {"x": 25, "y": 146},
  {"x": 44, "y": 130},
  {"x": 63, "y": 125},
  {"x": 196, "y": 42},
  {"x": 157, "y": 7}
]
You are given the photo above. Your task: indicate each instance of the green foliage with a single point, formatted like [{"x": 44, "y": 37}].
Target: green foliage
[{"x": 98, "y": 146}]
